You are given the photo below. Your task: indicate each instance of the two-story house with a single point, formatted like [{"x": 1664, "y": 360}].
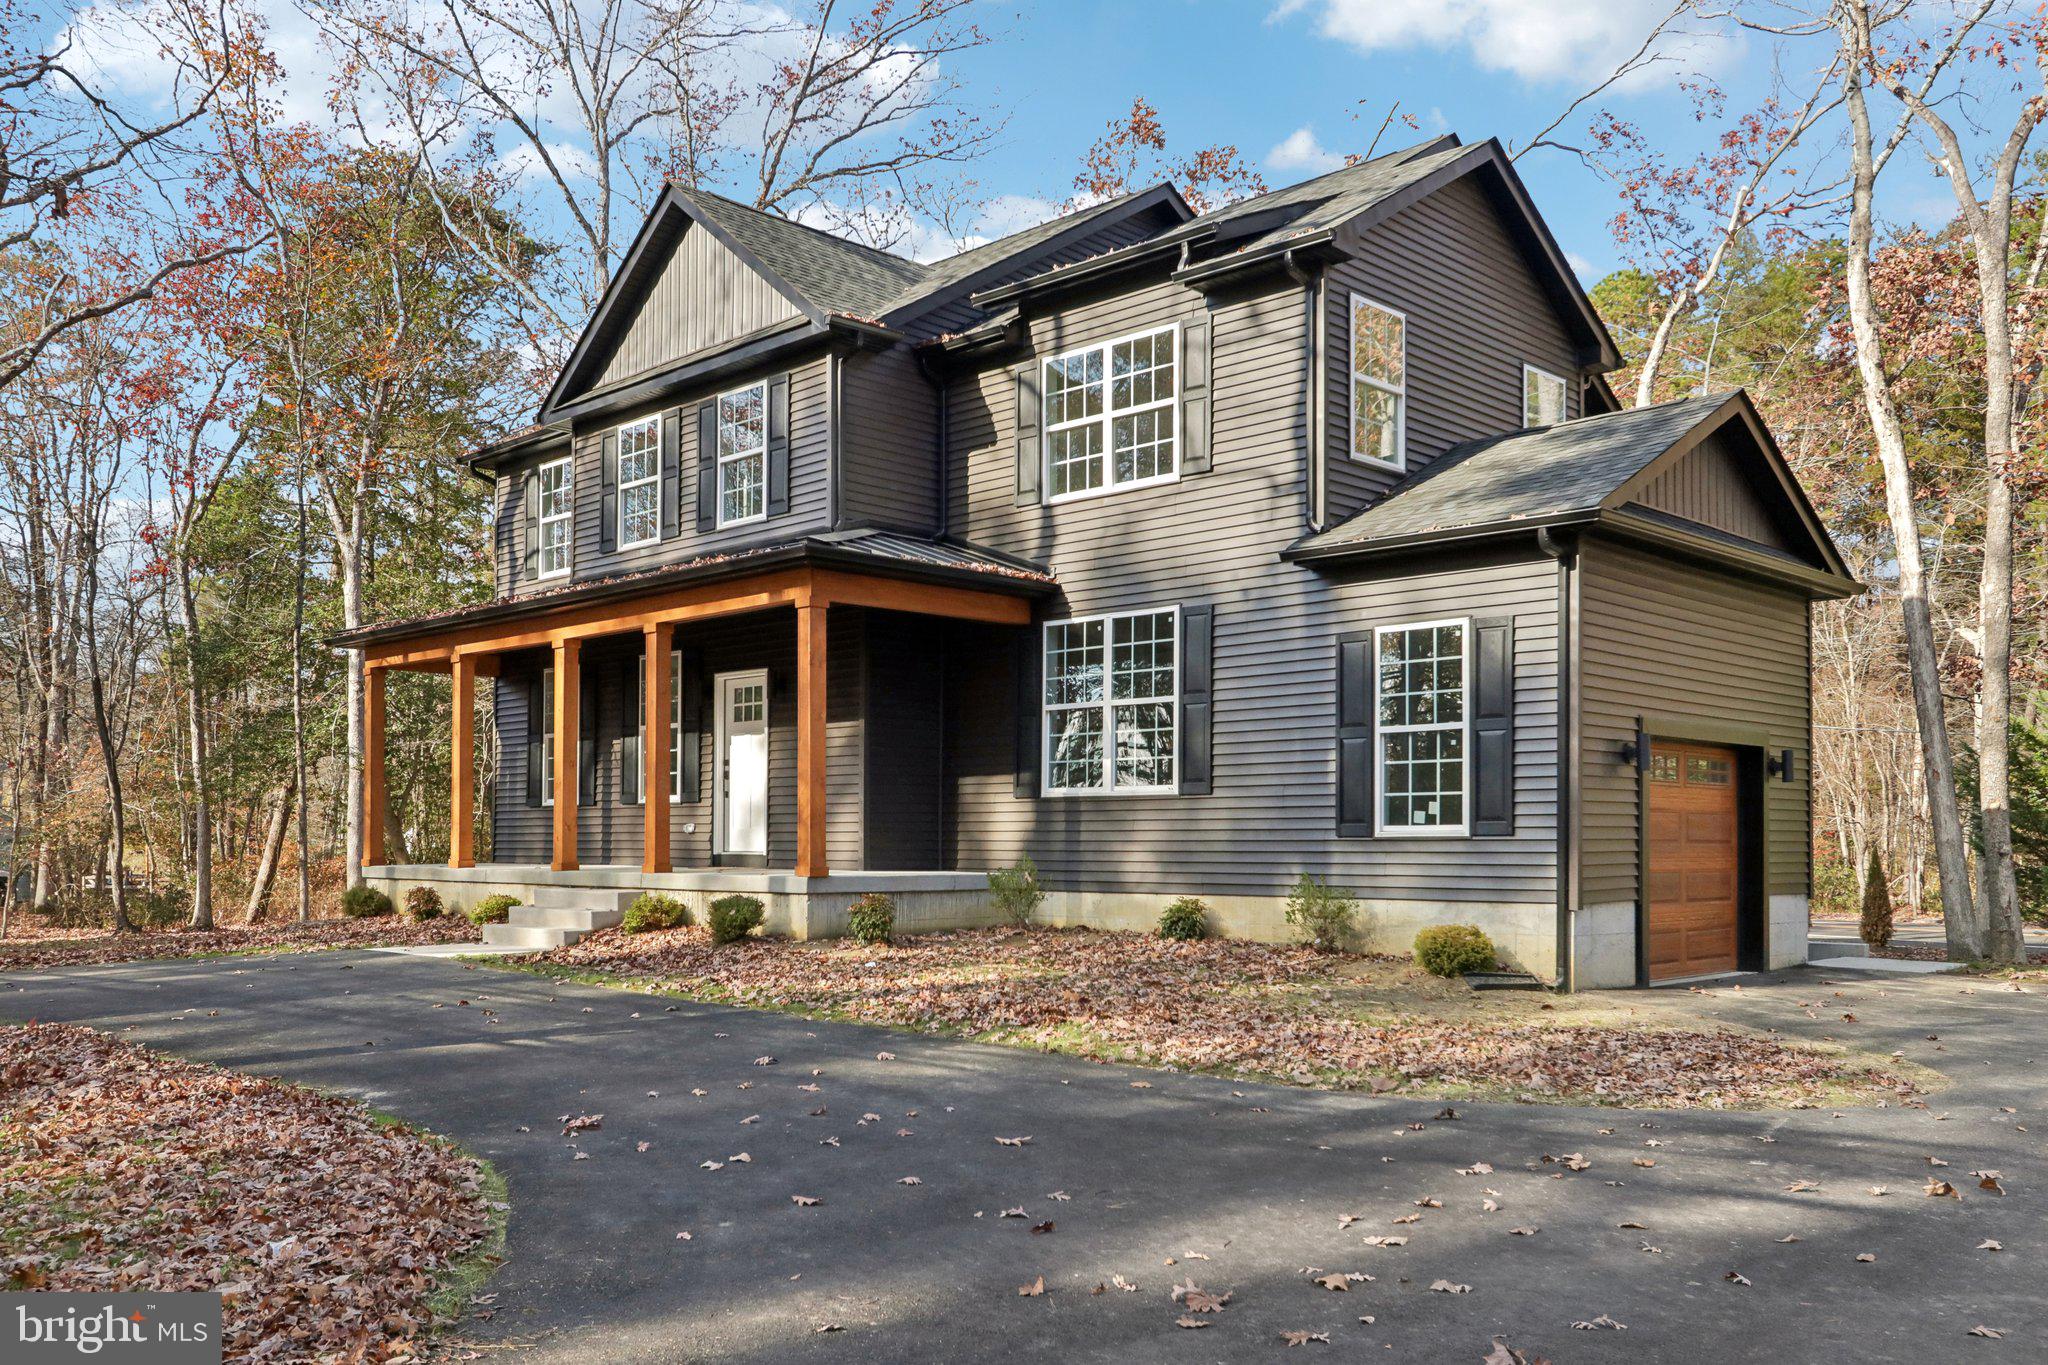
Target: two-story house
[{"x": 1184, "y": 554}]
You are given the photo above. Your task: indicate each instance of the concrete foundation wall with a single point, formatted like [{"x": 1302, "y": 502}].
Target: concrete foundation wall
[
  {"x": 1787, "y": 932},
  {"x": 1604, "y": 946}
]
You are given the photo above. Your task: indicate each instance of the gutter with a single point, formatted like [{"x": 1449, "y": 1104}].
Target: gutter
[{"x": 1564, "y": 549}]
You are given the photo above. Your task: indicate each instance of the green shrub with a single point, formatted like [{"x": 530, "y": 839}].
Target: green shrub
[
  {"x": 1876, "y": 926},
  {"x": 1016, "y": 891},
  {"x": 423, "y": 903},
  {"x": 1186, "y": 918},
  {"x": 493, "y": 909},
  {"x": 734, "y": 917},
  {"x": 1320, "y": 913},
  {"x": 1833, "y": 887},
  {"x": 650, "y": 910},
  {"x": 366, "y": 902},
  {"x": 1453, "y": 950},
  {"x": 159, "y": 909},
  {"x": 872, "y": 919}
]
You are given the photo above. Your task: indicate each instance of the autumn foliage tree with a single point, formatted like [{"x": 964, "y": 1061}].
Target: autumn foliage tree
[{"x": 1131, "y": 154}]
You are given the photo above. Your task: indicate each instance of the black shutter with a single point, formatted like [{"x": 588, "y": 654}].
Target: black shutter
[
  {"x": 671, "y": 471},
  {"x": 1194, "y": 397},
  {"x": 1196, "y": 650},
  {"x": 586, "y": 738},
  {"x": 707, "y": 466},
  {"x": 692, "y": 728},
  {"x": 608, "y": 494},
  {"x": 530, "y": 527},
  {"x": 778, "y": 445},
  {"x": 1028, "y": 661},
  {"x": 536, "y": 735},
  {"x": 1028, "y": 460},
  {"x": 1493, "y": 727},
  {"x": 1354, "y": 736}
]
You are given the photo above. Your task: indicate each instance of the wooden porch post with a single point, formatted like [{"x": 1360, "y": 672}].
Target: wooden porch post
[
  {"x": 568, "y": 728},
  {"x": 810, "y": 737},
  {"x": 462, "y": 764},
  {"x": 654, "y": 779},
  {"x": 373, "y": 765}
]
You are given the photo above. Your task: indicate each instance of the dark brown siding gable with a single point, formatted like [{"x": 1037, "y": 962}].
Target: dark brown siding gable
[
  {"x": 704, "y": 297},
  {"x": 1715, "y": 485}
]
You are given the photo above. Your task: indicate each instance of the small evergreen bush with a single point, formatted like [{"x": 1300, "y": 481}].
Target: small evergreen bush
[
  {"x": 423, "y": 903},
  {"x": 734, "y": 917},
  {"x": 366, "y": 902},
  {"x": 493, "y": 909},
  {"x": 1876, "y": 927},
  {"x": 1453, "y": 950},
  {"x": 1016, "y": 891},
  {"x": 1186, "y": 918},
  {"x": 872, "y": 918},
  {"x": 650, "y": 910},
  {"x": 1320, "y": 913}
]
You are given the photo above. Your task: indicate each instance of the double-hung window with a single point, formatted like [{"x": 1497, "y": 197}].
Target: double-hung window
[
  {"x": 1424, "y": 763},
  {"x": 547, "y": 743},
  {"x": 1379, "y": 383},
  {"x": 640, "y": 482},
  {"x": 1112, "y": 703},
  {"x": 1111, "y": 415},
  {"x": 1542, "y": 397},
  {"x": 743, "y": 455},
  {"x": 555, "y": 517}
]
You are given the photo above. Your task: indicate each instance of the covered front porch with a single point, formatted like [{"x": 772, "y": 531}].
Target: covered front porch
[{"x": 615, "y": 747}]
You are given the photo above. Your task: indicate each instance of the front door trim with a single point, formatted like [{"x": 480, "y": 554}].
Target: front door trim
[
  {"x": 1748, "y": 744},
  {"x": 721, "y": 833}
]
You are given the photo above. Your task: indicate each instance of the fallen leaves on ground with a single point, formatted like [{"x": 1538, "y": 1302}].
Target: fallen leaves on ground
[
  {"x": 87, "y": 947},
  {"x": 129, "y": 1171},
  {"x": 1256, "y": 1008}
]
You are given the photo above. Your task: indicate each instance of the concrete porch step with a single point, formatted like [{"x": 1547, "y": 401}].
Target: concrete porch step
[
  {"x": 583, "y": 898},
  {"x": 526, "y": 937},
  {"x": 581, "y": 918}
]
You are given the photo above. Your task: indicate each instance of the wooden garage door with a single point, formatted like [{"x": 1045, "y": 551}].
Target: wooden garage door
[{"x": 1692, "y": 860}]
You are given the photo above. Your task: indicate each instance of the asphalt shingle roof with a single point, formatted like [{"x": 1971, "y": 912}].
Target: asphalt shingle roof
[{"x": 1525, "y": 475}]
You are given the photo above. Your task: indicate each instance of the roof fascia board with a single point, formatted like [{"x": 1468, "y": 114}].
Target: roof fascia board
[
  {"x": 763, "y": 346},
  {"x": 485, "y": 462},
  {"x": 1302, "y": 553},
  {"x": 1750, "y": 563},
  {"x": 1081, "y": 272}
]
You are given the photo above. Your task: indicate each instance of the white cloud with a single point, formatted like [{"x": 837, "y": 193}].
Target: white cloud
[
  {"x": 525, "y": 166},
  {"x": 1537, "y": 40},
  {"x": 1299, "y": 151}
]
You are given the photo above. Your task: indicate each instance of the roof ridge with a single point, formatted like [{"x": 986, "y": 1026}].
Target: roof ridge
[{"x": 879, "y": 254}]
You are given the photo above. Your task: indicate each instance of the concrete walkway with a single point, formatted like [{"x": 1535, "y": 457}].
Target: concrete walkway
[{"x": 1151, "y": 1177}]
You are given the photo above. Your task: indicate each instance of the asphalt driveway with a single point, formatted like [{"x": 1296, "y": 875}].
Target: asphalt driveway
[{"x": 1155, "y": 1178}]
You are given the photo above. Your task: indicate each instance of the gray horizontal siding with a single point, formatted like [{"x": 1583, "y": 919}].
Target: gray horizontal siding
[
  {"x": 1215, "y": 539},
  {"x": 1476, "y": 315},
  {"x": 1658, "y": 636},
  {"x": 889, "y": 454}
]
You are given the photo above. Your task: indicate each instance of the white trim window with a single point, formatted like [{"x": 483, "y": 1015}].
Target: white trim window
[
  {"x": 1111, "y": 415},
  {"x": 1425, "y": 768},
  {"x": 743, "y": 455},
  {"x": 1379, "y": 384},
  {"x": 1112, "y": 703},
  {"x": 1543, "y": 397},
  {"x": 639, "y": 475},
  {"x": 555, "y": 518},
  {"x": 675, "y": 725},
  {"x": 547, "y": 744}
]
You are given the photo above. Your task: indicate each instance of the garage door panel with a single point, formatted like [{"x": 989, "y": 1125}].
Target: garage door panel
[{"x": 1692, "y": 882}]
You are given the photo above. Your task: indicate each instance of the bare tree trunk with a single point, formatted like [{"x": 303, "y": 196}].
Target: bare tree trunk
[
  {"x": 196, "y": 746},
  {"x": 299, "y": 703},
  {"x": 1967, "y": 936},
  {"x": 273, "y": 849}
]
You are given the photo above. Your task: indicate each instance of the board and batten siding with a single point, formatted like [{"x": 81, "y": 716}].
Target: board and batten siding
[
  {"x": 1669, "y": 638},
  {"x": 810, "y": 488},
  {"x": 704, "y": 297},
  {"x": 1476, "y": 315},
  {"x": 1215, "y": 539},
  {"x": 1708, "y": 485}
]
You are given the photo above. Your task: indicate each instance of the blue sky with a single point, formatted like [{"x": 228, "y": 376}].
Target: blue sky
[{"x": 1256, "y": 74}]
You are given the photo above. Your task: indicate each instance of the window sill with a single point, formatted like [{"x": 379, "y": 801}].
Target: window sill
[
  {"x": 1056, "y": 500},
  {"x": 755, "y": 520},
  {"x": 1399, "y": 466},
  {"x": 1097, "y": 794}
]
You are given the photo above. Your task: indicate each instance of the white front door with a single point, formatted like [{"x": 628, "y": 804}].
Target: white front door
[{"x": 743, "y": 762}]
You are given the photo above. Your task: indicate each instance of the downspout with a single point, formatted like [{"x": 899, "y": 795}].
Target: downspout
[
  {"x": 1564, "y": 549},
  {"x": 1312, "y": 322},
  {"x": 834, "y": 439}
]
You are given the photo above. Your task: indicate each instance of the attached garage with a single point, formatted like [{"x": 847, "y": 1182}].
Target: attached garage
[{"x": 1692, "y": 902}]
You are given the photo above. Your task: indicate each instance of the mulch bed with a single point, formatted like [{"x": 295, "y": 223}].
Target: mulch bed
[
  {"x": 125, "y": 1170},
  {"x": 40, "y": 946},
  {"x": 1276, "y": 1012}
]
